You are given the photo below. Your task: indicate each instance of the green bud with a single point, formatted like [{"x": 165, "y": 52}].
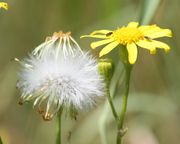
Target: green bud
[{"x": 106, "y": 68}]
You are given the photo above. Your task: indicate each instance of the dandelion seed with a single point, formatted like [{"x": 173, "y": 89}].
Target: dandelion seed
[
  {"x": 58, "y": 73},
  {"x": 131, "y": 36}
]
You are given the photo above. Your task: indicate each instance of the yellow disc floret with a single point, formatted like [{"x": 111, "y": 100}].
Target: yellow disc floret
[{"x": 127, "y": 35}]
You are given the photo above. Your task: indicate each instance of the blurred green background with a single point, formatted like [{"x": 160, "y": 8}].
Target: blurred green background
[{"x": 154, "y": 103}]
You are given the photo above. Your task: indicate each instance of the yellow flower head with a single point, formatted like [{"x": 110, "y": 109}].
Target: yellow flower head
[
  {"x": 131, "y": 36},
  {"x": 4, "y": 5}
]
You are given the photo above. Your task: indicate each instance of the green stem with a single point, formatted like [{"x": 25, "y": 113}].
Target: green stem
[
  {"x": 117, "y": 81},
  {"x": 111, "y": 104},
  {"x": 59, "y": 115},
  {"x": 120, "y": 129}
]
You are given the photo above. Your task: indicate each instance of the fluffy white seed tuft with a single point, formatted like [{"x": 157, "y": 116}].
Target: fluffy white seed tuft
[{"x": 58, "y": 74}]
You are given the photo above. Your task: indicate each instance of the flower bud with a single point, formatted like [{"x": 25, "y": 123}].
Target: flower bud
[{"x": 106, "y": 68}]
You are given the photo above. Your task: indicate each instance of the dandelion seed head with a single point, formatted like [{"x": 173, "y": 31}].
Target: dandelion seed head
[{"x": 60, "y": 74}]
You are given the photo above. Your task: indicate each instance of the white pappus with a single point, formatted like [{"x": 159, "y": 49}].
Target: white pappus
[{"x": 59, "y": 74}]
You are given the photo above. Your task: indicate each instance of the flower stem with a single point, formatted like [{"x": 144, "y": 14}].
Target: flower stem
[
  {"x": 58, "y": 133},
  {"x": 113, "y": 87},
  {"x": 111, "y": 104},
  {"x": 120, "y": 129}
]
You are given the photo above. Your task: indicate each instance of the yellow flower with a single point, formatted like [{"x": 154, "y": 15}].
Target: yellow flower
[
  {"x": 131, "y": 36},
  {"x": 4, "y": 5}
]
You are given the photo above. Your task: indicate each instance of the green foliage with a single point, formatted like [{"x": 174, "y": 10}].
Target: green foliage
[
  {"x": 149, "y": 8},
  {"x": 1, "y": 141}
]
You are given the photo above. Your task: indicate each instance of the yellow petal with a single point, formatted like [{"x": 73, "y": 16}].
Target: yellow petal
[
  {"x": 147, "y": 45},
  {"x": 159, "y": 33},
  {"x": 94, "y": 36},
  {"x": 108, "y": 48},
  {"x": 161, "y": 45},
  {"x": 133, "y": 24},
  {"x": 154, "y": 31},
  {"x": 99, "y": 43},
  {"x": 146, "y": 28},
  {"x": 132, "y": 53},
  {"x": 4, "y": 5},
  {"x": 100, "y": 32}
]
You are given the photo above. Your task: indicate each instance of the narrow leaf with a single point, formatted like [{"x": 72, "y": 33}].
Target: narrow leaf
[
  {"x": 149, "y": 9},
  {"x": 1, "y": 141}
]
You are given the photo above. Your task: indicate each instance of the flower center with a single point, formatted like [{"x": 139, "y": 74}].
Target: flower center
[{"x": 127, "y": 35}]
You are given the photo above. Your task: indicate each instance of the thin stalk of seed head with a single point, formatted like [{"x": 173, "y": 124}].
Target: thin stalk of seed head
[
  {"x": 77, "y": 45},
  {"x": 58, "y": 48},
  {"x": 58, "y": 133},
  {"x": 40, "y": 47},
  {"x": 70, "y": 47},
  {"x": 120, "y": 129}
]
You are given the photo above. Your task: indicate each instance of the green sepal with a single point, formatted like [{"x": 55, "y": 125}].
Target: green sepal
[{"x": 106, "y": 68}]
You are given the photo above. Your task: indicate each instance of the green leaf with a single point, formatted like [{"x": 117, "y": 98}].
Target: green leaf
[
  {"x": 1, "y": 141},
  {"x": 148, "y": 10}
]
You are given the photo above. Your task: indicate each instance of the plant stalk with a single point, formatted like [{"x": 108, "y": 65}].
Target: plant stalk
[
  {"x": 120, "y": 130},
  {"x": 111, "y": 104},
  {"x": 58, "y": 133}
]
